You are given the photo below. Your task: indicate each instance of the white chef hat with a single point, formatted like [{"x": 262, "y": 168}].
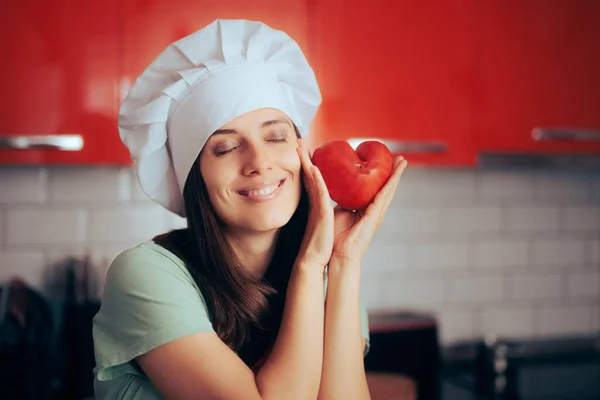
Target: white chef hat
[{"x": 202, "y": 82}]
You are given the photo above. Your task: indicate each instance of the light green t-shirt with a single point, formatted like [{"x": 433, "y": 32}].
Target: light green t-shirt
[{"x": 149, "y": 299}]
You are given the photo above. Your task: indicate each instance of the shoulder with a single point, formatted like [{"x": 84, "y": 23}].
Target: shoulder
[{"x": 147, "y": 264}]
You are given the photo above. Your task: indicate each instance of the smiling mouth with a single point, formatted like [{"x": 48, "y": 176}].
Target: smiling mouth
[{"x": 265, "y": 191}]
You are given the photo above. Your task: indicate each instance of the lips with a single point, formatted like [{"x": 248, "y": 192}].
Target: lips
[{"x": 261, "y": 190}]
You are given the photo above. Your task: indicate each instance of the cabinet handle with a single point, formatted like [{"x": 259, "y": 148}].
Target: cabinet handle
[
  {"x": 66, "y": 142},
  {"x": 577, "y": 135},
  {"x": 399, "y": 146}
]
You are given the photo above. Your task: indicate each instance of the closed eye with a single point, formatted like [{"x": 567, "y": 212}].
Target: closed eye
[{"x": 222, "y": 152}]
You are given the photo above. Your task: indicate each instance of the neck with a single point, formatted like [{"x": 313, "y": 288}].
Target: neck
[{"x": 255, "y": 251}]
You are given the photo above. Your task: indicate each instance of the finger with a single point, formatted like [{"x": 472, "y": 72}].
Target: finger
[
  {"x": 321, "y": 187},
  {"x": 389, "y": 190},
  {"x": 375, "y": 212},
  {"x": 306, "y": 164}
]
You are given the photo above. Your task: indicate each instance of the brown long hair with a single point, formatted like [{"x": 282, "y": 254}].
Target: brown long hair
[{"x": 245, "y": 311}]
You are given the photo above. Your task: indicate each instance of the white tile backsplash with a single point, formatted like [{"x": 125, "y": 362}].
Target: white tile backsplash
[
  {"x": 565, "y": 251},
  {"x": 513, "y": 252},
  {"x": 475, "y": 219},
  {"x": 26, "y": 265},
  {"x": 532, "y": 218},
  {"x": 506, "y": 186},
  {"x": 441, "y": 254},
  {"x": 412, "y": 220},
  {"x": 581, "y": 218},
  {"x": 90, "y": 185},
  {"x": 508, "y": 321},
  {"x": 411, "y": 292},
  {"x": 566, "y": 320},
  {"x": 536, "y": 287},
  {"x": 45, "y": 226},
  {"x": 23, "y": 185},
  {"x": 2, "y": 227},
  {"x": 562, "y": 186},
  {"x": 503, "y": 252},
  {"x": 482, "y": 289},
  {"x": 594, "y": 245},
  {"x": 457, "y": 324},
  {"x": 583, "y": 284},
  {"x": 128, "y": 223}
]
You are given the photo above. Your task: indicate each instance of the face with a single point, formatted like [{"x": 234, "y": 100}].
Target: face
[{"x": 252, "y": 171}]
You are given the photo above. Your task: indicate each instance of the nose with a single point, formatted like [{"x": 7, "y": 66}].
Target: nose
[{"x": 257, "y": 160}]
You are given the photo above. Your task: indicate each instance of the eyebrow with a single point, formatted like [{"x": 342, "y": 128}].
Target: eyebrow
[{"x": 263, "y": 125}]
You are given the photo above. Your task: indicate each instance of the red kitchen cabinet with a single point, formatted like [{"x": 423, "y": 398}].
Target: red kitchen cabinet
[
  {"x": 538, "y": 66},
  {"x": 70, "y": 64},
  {"x": 59, "y": 75},
  {"x": 151, "y": 25},
  {"x": 401, "y": 71}
]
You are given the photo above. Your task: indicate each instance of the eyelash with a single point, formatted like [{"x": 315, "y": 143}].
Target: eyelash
[{"x": 224, "y": 152}]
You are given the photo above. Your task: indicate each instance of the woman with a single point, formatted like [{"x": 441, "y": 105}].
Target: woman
[{"x": 232, "y": 306}]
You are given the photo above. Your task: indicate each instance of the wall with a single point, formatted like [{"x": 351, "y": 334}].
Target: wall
[{"x": 514, "y": 252}]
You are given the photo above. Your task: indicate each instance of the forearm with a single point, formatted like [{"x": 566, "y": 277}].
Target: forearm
[
  {"x": 293, "y": 369},
  {"x": 343, "y": 375}
]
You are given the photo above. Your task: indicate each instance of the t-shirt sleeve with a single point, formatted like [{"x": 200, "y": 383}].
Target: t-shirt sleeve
[{"x": 148, "y": 301}]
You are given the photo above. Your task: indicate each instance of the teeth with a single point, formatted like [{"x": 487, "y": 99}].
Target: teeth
[{"x": 263, "y": 192}]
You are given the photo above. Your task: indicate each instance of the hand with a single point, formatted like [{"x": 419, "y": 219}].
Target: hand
[
  {"x": 354, "y": 230},
  {"x": 317, "y": 244}
]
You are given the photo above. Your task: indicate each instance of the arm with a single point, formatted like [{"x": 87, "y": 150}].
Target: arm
[
  {"x": 343, "y": 363},
  {"x": 201, "y": 366}
]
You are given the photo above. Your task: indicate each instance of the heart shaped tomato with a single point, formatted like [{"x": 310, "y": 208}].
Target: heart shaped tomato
[{"x": 353, "y": 178}]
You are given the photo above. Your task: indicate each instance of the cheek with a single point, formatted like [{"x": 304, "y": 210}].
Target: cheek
[
  {"x": 291, "y": 162},
  {"x": 215, "y": 178}
]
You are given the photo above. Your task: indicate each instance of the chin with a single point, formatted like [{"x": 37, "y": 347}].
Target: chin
[{"x": 268, "y": 221}]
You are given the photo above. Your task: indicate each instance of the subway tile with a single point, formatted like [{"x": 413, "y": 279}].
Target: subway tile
[
  {"x": 26, "y": 265},
  {"x": 443, "y": 254},
  {"x": 45, "y": 226},
  {"x": 583, "y": 284},
  {"x": 501, "y": 253},
  {"x": 566, "y": 186},
  {"x": 440, "y": 186},
  {"x": 22, "y": 185},
  {"x": 534, "y": 218},
  {"x": 506, "y": 185},
  {"x": 471, "y": 219},
  {"x": 564, "y": 251},
  {"x": 456, "y": 325},
  {"x": 411, "y": 220},
  {"x": 382, "y": 258},
  {"x": 595, "y": 180},
  {"x": 90, "y": 185},
  {"x": 594, "y": 245},
  {"x": 564, "y": 320},
  {"x": 475, "y": 289},
  {"x": 508, "y": 322},
  {"x": 2, "y": 227},
  {"x": 411, "y": 292},
  {"x": 536, "y": 287},
  {"x": 581, "y": 218},
  {"x": 595, "y": 309},
  {"x": 127, "y": 223}
]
